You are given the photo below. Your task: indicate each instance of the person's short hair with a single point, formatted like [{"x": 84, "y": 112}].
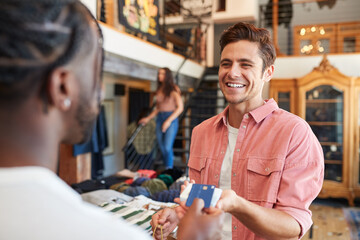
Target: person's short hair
[
  {"x": 35, "y": 38},
  {"x": 246, "y": 31}
]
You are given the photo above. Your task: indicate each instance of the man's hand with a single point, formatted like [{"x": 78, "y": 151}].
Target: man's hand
[
  {"x": 267, "y": 223},
  {"x": 227, "y": 200},
  {"x": 166, "y": 219},
  {"x": 182, "y": 209},
  {"x": 201, "y": 224}
]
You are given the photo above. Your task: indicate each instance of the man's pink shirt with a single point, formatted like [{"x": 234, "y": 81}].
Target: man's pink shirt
[{"x": 277, "y": 163}]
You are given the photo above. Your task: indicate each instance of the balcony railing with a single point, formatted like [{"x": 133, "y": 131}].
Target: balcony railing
[{"x": 312, "y": 27}]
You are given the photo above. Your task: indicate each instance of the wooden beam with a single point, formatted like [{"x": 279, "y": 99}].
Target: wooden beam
[{"x": 275, "y": 23}]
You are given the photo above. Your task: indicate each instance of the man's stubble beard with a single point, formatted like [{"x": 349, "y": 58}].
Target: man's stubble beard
[{"x": 241, "y": 100}]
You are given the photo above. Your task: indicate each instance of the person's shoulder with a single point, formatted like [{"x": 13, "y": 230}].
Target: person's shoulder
[
  {"x": 207, "y": 124},
  {"x": 66, "y": 214},
  {"x": 176, "y": 91},
  {"x": 284, "y": 117},
  {"x": 292, "y": 123},
  {"x": 98, "y": 222},
  {"x": 102, "y": 224}
]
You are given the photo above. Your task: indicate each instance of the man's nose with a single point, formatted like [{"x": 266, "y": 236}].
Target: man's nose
[{"x": 235, "y": 72}]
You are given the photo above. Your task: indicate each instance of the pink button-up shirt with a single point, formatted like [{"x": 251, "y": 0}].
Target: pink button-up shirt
[{"x": 277, "y": 163}]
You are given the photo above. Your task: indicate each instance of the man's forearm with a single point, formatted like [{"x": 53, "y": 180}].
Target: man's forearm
[{"x": 265, "y": 222}]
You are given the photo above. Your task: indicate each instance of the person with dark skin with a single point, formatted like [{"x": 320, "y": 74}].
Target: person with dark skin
[{"x": 51, "y": 57}]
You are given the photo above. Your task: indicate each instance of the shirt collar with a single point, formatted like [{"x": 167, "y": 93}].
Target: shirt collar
[
  {"x": 263, "y": 111},
  {"x": 258, "y": 114},
  {"x": 222, "y": 116}
]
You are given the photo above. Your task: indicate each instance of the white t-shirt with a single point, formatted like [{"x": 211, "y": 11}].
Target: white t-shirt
[
  {"x": 225, "y": 177},
  {"x": 36, "y": 204}
]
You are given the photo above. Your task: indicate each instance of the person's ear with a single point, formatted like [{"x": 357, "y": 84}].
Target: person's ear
[
  {"x": 61, "y": 87},
  {"x": 268, "y": 74}
]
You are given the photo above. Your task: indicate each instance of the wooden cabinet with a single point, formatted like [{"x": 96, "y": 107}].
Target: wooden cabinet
[
  {"x": 325, "y": 98},
  {"x": 356, "y": 138},
  {"x": 283, "y": 91}
]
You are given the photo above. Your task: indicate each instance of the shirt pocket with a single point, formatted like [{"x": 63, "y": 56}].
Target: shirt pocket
[
  {"x": 198, "y": 169},
  {"x": 264, "y": 178}
]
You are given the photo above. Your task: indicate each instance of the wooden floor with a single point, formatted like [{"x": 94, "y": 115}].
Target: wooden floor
[{"x": 329, "y": 223}]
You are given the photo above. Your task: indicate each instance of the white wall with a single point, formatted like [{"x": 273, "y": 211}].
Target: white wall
[
  {"x": 115, "y": 162},
  {"x": 237, "y": 10},
  {"x": 133, "y": 48},
  {"x": 296, "y": 67}
]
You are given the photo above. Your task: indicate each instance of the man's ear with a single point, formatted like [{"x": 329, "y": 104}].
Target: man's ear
[
  {"x": 61, "y": 87},
  {"x": 268, "y": 74}
]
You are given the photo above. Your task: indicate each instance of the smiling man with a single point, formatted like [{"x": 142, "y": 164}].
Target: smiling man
[
  {"x": 51, "y": 57},
  {"x": 268, "y": 161}
]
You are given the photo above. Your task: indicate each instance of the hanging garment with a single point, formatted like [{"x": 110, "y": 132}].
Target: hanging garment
[{"x": 96, "y": 145}]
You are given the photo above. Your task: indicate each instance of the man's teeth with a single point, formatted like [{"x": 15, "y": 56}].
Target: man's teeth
[{"x": 234, "y": 85}]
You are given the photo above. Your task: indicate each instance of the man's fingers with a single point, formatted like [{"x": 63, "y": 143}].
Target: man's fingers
[
  {"x": 197, "y": 206},
  {"x": 211, "y": 210},
  {"x": 219, "y": 204},
  {"x": 217, "y": 213}
]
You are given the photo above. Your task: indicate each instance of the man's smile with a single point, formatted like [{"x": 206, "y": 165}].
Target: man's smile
[{"x": 235, "y": 85}]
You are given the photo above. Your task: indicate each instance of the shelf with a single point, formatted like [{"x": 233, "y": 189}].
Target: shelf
[
  {"x": 284, "y": 100},
  {"x": 324, "y": 100},
  {"x": 325, "y": 123},
  {"x": 330, "y": 143},
  {"x": 338, "y": 162}
]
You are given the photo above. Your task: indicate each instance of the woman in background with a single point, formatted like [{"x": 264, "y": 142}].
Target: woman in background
[{"x": 169, "y": 106}]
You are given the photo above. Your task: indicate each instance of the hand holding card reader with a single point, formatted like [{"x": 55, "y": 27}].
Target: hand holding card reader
[{"x": 209, "y": 193}]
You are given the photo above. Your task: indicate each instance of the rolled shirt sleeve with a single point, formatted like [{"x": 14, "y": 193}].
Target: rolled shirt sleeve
[{"x": 302, "y": 176}]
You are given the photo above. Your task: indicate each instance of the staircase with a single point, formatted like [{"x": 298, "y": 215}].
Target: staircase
[{"x": 204, "y": 102}]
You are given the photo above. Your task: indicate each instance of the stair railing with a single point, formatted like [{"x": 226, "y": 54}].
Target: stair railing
[{"x": 134, "y": 160}]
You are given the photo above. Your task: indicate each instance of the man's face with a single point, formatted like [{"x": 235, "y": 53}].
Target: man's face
[
  {"x": 240, "y": 74},
  {"x": 89, "y": 96}
]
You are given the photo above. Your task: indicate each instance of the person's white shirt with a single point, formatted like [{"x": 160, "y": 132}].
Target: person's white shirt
[
  {"x": 36, "y": 204},
  {"x": 225, "y": 177}
]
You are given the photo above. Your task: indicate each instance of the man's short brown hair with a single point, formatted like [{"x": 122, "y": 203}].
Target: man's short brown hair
[{"x": 246, "y": 31}]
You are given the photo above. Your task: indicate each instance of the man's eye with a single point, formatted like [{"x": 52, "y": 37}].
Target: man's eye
[{"x": 246, "y": 65}]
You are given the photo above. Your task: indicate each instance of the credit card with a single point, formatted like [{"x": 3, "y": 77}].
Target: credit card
[{"x": 209, "y": 193}]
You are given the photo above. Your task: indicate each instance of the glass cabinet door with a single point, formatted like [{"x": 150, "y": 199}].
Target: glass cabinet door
[
  {"x": 284, "y": 100},
  {"x": 324, "y": 113},
  {"x": 357, "y": 144}
]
